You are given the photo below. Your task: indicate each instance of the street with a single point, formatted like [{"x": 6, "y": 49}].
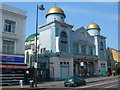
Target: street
[{"x": 112, "y": 83}]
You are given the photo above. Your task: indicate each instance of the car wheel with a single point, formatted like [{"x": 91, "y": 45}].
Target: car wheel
[
  {"x": 75, "y": 84},
  {"x": 84, "y": 83},
  {"x": 65, "y": 85}
]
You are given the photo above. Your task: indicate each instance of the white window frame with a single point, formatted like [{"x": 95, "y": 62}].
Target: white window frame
[
  {"x": 14, "y": 45},
  {"x": 7, "y": 31}
]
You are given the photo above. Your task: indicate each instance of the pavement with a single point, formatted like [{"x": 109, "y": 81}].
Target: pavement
[{"x": 59, "y": 84}]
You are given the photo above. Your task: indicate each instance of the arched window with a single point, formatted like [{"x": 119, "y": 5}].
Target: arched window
[
  {"x": 101, "y": 49},
  {"x": 64, "y": 43},
  {"x": 27, "y": 57},
  {"x": 101, "y": 45}
]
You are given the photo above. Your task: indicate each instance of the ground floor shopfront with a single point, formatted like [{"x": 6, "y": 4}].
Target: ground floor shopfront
[
  {"x": 13, "y": 69},
  {"x": 62, "y": 67},
  {"x": 85, "y": 67}
]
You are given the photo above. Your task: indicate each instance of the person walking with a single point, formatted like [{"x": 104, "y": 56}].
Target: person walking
[{"x": 113, "y": 72}]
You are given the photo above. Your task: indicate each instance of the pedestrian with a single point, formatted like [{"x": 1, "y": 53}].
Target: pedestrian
[{"x": 113, "y": 72}]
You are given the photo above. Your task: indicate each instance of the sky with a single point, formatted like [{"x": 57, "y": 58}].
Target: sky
[{"x": 79, "y": 14}]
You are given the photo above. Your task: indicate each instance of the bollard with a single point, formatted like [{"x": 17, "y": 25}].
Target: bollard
[{"x": 21, "y": 83}]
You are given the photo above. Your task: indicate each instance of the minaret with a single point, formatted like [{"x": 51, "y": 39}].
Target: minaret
[
  {"x": 55, "y": 13},
  {"x": 93, "y": 29},
  {"x": 100, "y": 45},
  {"x": 99, "y": 40},
  {"x": 54, "y": 31}
]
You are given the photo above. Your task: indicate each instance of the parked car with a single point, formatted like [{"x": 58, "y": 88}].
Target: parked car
[{"x": 74, "y": 81}]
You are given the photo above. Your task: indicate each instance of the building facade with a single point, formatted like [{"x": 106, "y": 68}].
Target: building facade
[
  {"x": 12, "y": 35},
  {"x": 70, "y": 52},
  {"x": 115, "y": 54},
  {"x": 110, "y": 60}
]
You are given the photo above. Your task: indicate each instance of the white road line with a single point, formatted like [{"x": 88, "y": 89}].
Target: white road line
[
  {"x": 98, "y": 84},
  {"x": 110, "y": 86}
]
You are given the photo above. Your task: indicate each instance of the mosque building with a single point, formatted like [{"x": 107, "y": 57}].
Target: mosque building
[{"x": 67, "y": 52}]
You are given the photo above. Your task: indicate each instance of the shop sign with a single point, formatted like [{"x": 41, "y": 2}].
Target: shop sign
[
  {"x": 10, "y": 58},
  {"x": 13, "y": 66}
]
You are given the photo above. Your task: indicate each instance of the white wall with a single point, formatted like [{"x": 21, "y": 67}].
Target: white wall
[
  {"x": 45, "y": 39},
  {"x": 57, "y": 60},
  {"x": 0, "y": 29},
  {"x": 19, "y": 16}
]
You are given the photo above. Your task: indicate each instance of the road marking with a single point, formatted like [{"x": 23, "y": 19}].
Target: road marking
[
  {"x": 110, "y": 86},
  {"x": 98, "y": 84}
]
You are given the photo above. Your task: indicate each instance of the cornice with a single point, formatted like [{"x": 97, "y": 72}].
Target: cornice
[
  {"x": 55, "y": 21},
  {"x": 13, "y": 13}
]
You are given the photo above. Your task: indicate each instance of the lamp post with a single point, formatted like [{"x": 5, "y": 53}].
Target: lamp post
[{"x": 35, "y": 65}]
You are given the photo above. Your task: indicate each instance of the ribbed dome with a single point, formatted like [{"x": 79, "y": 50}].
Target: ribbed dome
[
  {"x": 55, "y": 10},
  {"x": 93, "y": 26},
  {"x": 31, "y": 37}
]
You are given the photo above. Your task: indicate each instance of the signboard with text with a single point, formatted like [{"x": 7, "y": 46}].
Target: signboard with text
[
  {"x": 12, "y": 59},
  {"x": 14, "y": 66}
]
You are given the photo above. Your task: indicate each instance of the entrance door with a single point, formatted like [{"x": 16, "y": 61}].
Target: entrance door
[
  {"x": 103, "y": 67},
  {"x": 64, "y": 72}
]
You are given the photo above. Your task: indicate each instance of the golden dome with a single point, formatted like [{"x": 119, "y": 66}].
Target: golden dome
[
  {"x": 93, "y": 26},
  {"x": 55, "y": 10}
]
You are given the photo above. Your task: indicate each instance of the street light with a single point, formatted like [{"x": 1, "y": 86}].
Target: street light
[{"x": 41, "y": 8}]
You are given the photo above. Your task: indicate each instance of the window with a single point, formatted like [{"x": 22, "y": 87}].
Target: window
[
  {"x": 61, "y": 63},
  {"x": 83, "y": 49},
  {"x": 101, "y": 46},
  {"x": 68, "y": 63},
  {"x": 101, "y": 49},
  {"x": 8, "y": 47},
  {"x": 27, "y": 47},
  {"x": 43, "y": 65},
  {"x": 64, "y": 43},
  {"x": 43, "y": 50},
  {"x": 64, "y": 62},
  {"x": 27, "y": 57},
  {"x": 61, "y": 17},
  {"x": 75, "y": 48},
  {"x": 9, "y": 26},
  {"x": 90, "y": 50}
]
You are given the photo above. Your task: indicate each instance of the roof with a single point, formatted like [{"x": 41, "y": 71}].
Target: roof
[
  {"x": 55, "y": 10},
  {"x": 93, "y": 26},
  {"x": 31, "y": 37}
]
